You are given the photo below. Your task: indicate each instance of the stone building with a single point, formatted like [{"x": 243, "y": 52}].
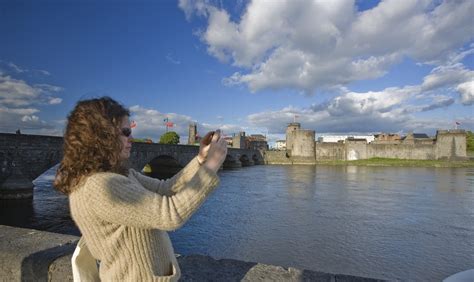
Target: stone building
[
  {"x": 387, "y": 137},
  {"x": 300, "y": 142},
  {"x": 280, "y": 145},
  {"x": 256, "y": 142},
  {"x": 238, "y": 140},
  {"x": 192, "y": 134}
]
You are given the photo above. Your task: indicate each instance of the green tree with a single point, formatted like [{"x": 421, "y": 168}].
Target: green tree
[
  {"x": 169, "y": 138},
  {"x": 470, "y": 141}
]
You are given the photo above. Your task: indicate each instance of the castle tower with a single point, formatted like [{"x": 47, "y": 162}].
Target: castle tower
[
  {"x": 451, "y": 144},
  {"x": 192, "y": 134},
  {"x": 291, "y": 135},
  {"x": 238, "y": 141}
]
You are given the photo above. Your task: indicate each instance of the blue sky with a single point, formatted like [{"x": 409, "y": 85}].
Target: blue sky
[{"x": 340, "y": 67}]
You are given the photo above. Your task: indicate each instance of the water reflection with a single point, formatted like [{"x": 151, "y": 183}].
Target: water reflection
[{"x": 453, "y": 180}]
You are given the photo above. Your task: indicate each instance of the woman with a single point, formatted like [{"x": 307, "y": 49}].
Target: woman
[{"x": 123, "y": 215}]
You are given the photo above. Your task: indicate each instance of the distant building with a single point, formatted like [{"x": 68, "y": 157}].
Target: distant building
[
  {"x": 415, "y": 136},
  {"x": 332, "y": 138},
  {"x": 256, "y": 142},
  {"x": 419, "y": 138},
  {"x": 280, "y": 145},
  {"x": 257, "y": 137},
  {"x": 229, "y": 141},
  {"x": 387, "y": 137},
  {"x": 342, "y": 138}
]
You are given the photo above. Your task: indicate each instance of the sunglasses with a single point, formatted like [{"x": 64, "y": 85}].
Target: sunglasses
[{"x": 126, "y": 131}]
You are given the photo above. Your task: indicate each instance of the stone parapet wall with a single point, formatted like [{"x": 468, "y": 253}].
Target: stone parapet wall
[
  {"x": 30, "y": 154},
  {"x": 32, "y": 255}
]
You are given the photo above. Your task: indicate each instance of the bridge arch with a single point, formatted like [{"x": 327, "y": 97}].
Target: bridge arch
[
  {"x": 231, "y": 162},
  {"x": 162, "y": 167},
  {"x": 245, "y": 160}
]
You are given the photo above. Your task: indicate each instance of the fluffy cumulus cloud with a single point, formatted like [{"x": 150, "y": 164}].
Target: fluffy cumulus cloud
[
  {"x": 393, "y": 109},
  {"x": 19, "y": 102},
  {"x": 151, "y": 124},
  {"x": 467, "y": 92},
  {"x": 312, "y": 44}
]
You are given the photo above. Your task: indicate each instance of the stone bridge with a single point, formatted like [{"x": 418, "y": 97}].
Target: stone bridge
[{"x": 25, "y": 157}]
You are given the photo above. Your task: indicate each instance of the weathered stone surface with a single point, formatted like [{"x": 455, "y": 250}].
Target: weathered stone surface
[
  {"x": 31, "y": 255},
  {"x": 204, "y": 268},
  {"x": 25, "y": 254}
]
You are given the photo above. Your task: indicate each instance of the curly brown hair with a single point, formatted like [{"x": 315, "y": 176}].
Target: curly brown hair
[{"x": 91, "y": 142}]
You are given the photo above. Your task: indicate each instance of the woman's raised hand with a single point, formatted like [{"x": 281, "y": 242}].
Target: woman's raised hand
[{"x": 213, "y": 150}]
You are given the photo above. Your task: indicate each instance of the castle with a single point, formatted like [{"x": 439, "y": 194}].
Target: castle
[{"x": 447, "y": 145}]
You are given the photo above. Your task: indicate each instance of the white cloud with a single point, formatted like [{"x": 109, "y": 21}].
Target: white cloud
[
  {"x": 55, "y": 101},
  {"x": 18, "y": 93},
  {"x": 466, "y": 90},
  {"x": 25, "y": 119},
  {"x": 390, "y": 110},
  {"x": 43, "y": 72},
  {"x": 16, "y": 68},
  {"x": 19, "y": 101},
  {"x": 310, "y": 45},
  {"x": 446, "y": 76},
  {"x": 32, "y": 118},
  {"x": 172, "y": 60}
]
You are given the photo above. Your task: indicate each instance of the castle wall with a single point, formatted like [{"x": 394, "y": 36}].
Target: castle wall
[
  {"x": 330, "y": 151},
  {"x": 448, "y": 144},
  {"x": 356, "y": 150},
  {"x": 401, "y": 151},
  {"x": 276, "y": 157}
]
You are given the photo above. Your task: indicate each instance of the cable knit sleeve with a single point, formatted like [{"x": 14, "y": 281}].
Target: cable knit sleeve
[
  {"x": 169, "y": 186},
  {"x": 121, "y": 200}
]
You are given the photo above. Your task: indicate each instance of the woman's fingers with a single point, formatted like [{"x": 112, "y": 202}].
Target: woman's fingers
[
  {"x": 216, "y": 136},
  {"x": 206, "y": 140}
]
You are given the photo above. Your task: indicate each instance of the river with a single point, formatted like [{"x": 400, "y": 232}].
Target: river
[{"x": 413, "y": 224}]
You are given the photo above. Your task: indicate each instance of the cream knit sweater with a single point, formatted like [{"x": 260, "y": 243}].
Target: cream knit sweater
[{"x": 124, "y": 220}]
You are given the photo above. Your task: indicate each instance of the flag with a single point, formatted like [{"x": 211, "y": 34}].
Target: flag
[
  {"x": 133, "y": 124},
  {"x": 169, "y": 124}
]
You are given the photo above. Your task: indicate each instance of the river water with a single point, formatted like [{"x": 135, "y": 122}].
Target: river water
[{"x": 414, "y": 224}]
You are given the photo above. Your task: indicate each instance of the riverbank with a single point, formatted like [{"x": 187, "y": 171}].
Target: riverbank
[
  {"x": 32, "y": 255},
  {"x": 401, "y": 163}
]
